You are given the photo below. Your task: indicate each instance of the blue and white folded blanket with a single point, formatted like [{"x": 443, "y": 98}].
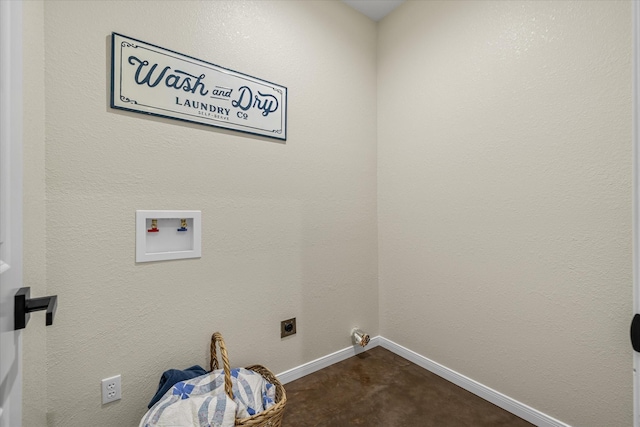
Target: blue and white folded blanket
[{"x": 202, "y": 401}]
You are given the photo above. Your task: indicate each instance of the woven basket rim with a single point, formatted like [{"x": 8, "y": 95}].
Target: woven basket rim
[{"x": 271, "y": 417}]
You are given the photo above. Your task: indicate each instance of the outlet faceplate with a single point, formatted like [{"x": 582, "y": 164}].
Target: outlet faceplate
[
  {"x": 111, "y": 389},
  {"x": 287, "y": 327}
]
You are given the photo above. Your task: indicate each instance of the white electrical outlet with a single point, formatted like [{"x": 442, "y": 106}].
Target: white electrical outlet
[{"x": 111, "y": 389}]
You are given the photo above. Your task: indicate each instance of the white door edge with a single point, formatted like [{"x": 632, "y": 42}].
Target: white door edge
[{"x": 11, "y": 103}]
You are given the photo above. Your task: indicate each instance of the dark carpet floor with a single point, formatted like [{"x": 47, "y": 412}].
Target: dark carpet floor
[{"x": 379, "y": 388}]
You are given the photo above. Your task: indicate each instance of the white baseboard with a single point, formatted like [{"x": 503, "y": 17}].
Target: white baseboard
[
  {"x": 505, "y": 402},
  {"x": 323, "y": 362},
  {"x": 523, "y": 411}
]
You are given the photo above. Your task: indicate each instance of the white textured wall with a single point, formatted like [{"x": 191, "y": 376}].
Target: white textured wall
[
  {"x": 504, "y": 183},
  {"x": 34, "y": 349},
  {"x": 504, "y": 197},
  {"x": 289, "y": 229}
]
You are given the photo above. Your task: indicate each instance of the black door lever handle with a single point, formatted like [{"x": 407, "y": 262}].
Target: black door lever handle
[
  {"x": 635, "y": 332},
  {"x": 25, "y": 305}
]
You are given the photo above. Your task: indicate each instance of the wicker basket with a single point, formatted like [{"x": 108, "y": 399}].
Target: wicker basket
[{"x": 272, "y": 417}]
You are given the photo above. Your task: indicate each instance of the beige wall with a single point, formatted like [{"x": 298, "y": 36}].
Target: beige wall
[
  {"x": 503, "y": 199},
  {"x": 504, "y": 184},
  {"x": 34, "y": 408},
  {"x": 289, "y": 229}
]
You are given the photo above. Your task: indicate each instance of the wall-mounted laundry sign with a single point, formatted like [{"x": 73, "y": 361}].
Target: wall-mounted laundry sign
[{"x": 149, "y": 79}]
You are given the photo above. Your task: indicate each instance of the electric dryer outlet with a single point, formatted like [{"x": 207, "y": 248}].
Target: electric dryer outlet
[{"x": 287, "y": 327}]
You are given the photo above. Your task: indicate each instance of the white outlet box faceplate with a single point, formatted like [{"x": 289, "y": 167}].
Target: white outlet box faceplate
[
  {"x": 166, "y": 235},
  {"x": 111, "y": 389}
]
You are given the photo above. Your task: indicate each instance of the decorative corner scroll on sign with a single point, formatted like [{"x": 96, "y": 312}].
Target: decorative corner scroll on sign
[{"x": 152, "y": 80}]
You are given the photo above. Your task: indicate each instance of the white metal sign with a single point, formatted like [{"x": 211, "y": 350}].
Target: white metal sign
[{"x": 149, "y": 79}]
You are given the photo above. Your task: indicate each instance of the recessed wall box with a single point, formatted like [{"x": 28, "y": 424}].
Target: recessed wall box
[{"x": 166, "y": 235}]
